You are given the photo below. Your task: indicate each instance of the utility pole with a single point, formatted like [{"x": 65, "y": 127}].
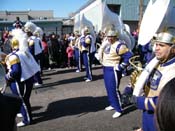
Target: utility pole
[{"x": 140, "y": 12}]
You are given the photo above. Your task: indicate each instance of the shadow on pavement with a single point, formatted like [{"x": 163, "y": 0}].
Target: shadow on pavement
[
  {"x": 73, "y": 106},
  {"x": 34, "y": 108},
  {"x": 55, "y": 72},
  {"x": 129, "y": 109},
  {"x": 68, "y": 81},
  {"x": 63, "y": 71}
]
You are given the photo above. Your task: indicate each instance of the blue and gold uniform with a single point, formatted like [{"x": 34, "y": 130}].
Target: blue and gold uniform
[
  {"x": 162, "y": 72},
  {"x": 35, "y": 48},
  {"x": 115, "y": 58},
  {"x": 13, "y": 64},
  {"x": 20, "y": 74},
  {"x": 22, "y": 89},
  {"x": 156, "y": 81},
  {"x": 77, "y": 52},
  {"x": 85, "y": 44}
]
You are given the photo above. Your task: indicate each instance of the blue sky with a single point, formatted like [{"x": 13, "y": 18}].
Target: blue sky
[{"x": 61, "y": 8}]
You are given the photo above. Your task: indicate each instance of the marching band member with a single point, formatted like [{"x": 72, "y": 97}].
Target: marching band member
[
  {"x": 35, "y": 48},
  {"x": 18, "y": 23},
  {"x": 21, "y": 68},
  {"x": 85, "y": 45},
  {"x": 77, "y": 51},
  {"x": 162, "y": 72},
  {"x": 115, "y": 57}
]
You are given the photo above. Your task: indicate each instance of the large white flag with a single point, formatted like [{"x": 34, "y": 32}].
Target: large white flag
[
  {"x": 84, "y": 22},
  {"x": 111, "y": 18},
  {"x": 158, "y": 14},
  {"x": 77, "y": 23}
]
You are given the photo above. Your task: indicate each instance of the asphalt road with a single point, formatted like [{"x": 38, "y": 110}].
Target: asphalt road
[{"x": 67, "y": 103}]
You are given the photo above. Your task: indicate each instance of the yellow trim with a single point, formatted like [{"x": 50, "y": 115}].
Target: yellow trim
[
  {"x": 31, "y": 42},
  {"x": 12, "y": 59},
  {"x": 152, "y": 103},
  {"x": 7, "y": 58},
  {"x": 123, "y": 49},
  {"x": 88, "y": 41},
  {"x": 146, "y": 103},
  {"x": 15, "y": 61}
]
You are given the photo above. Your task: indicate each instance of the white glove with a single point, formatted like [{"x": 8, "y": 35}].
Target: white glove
[
  {"x": 97, "y": 56},
  {"x": 119, "y": 67}
]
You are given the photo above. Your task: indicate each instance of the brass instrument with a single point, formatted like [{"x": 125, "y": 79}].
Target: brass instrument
[{"x": 137, "y": 65}]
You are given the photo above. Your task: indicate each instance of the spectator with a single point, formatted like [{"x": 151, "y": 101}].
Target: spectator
[
  {"x": 70, "y": 52},
  {"x": 17, "y": 23},
  {"x": 6, "y": 47},
  {"x": 45, "y": 53},
  {"x": 53, "y": 49}
]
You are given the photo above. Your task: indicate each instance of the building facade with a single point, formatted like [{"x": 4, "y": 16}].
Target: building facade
[
  {"x": 130, "y": 11},
  {"x": 42, "y": 18}
]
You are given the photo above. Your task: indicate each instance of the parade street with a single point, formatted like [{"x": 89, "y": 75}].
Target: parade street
[{"x": 67, "y": 103}]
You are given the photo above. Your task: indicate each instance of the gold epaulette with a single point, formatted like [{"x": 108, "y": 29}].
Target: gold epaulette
[
  {"x": 12, "y": 59},
  {"x": 31, "y": 42},
  {"x": 123, "y": 49},
  {"x": 87, "y": 40}
]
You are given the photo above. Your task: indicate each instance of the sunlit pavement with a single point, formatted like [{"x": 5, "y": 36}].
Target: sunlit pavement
[{"x": 66, "y": 102}]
